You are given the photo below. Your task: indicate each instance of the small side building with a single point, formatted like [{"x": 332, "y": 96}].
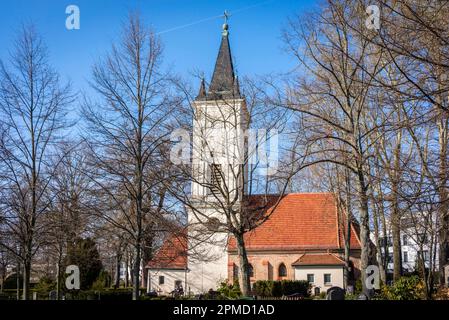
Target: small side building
[
  {"x": 321, "y": 270},
  {"x": 168, "y": 268}
]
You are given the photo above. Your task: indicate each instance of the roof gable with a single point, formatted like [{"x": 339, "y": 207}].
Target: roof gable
[
  {"x": 172, "y": 254},
  {"x": 326, "y": 259},
  {"x": 301, "y": 221}
]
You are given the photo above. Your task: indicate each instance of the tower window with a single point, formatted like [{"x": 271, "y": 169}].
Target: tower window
[{"x": 282, "y": 270}]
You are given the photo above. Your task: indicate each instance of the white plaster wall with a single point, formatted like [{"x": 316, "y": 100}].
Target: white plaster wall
[
  {"x": 222, "y": 124},
  {"x": 169, "y": 282},
  {"x": 207, "y": 255},
  {"x": 336, "y": 276}
]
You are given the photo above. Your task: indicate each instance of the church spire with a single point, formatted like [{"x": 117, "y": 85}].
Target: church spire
[
  {"x": 202, "y": 93},
  {"x": 223, "y": 83}
]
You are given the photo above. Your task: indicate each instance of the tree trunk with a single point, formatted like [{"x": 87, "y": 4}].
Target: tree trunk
[
  {"x": 117, "y": 271},
  {"x": 380, "y": 260},
  {"x": 136, "y": 274},
  {"x": 347, "y": 244},
  {"x": 245, "y": 283},
  {"x": 443, "y": 210},
  {"x": 395, "y": 213},
  {"x": 364, "y": 229},
  {"x": 396, "y": 234},
  {"x": 127, "y": 270},
  {"x": 18, "y": 280},
  {"x": 58, "y": 280},
  {"x": 26, "y": 279}
]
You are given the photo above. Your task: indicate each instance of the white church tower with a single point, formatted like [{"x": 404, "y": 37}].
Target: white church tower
[{"x": 219, "y": 126}]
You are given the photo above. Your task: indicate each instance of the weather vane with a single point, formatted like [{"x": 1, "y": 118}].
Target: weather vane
[{"x": 226, "y": 16}]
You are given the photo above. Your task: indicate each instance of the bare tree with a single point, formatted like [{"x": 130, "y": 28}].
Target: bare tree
[
  {"x": 67, "y": 218},
  {"x": 32, "y": 106},
  {"x": 334, "y": 94},
  {"x": 127, "y": 129}
]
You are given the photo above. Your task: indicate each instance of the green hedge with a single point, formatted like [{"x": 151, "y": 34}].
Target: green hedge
[
  {"x": 106, "y": 294},
  {"x": 268, "y": 288}
]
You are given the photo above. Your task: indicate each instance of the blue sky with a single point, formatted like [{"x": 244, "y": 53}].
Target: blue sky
[{"x": 255, "y": 30}]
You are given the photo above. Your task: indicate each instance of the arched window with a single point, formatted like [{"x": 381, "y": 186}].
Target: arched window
[
  {"x": 282, "y": 270},
  {"x": 250, "y": 270}
]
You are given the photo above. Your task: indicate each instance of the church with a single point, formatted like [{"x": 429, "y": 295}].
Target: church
[{"x": 303, "y": 239}]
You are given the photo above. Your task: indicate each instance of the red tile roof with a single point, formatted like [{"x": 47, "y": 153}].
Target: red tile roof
[
  {"x": 172, "y": 254},
  {"x": 300, "y": 221},
  {"x": 325, "y": 259}
]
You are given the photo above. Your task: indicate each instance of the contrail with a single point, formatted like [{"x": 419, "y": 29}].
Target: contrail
[{"x": 214, "y": 17}]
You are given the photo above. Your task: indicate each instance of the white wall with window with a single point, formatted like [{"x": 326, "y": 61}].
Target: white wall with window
[
  {"x": 320, "y": 277},
  {"x": 164, "y": 281},
  {"x": 415, "y": 244}
]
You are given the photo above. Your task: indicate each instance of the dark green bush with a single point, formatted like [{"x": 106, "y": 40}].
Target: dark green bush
[
  {"x": 11, "y": 281},
  {"x": 406, "y": 288},
  {"x": 268, "y": 288},
  {"x": 44, "y": 286},
  {"x": 230, "y": 291}
]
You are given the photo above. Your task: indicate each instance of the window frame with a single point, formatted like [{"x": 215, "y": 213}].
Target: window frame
[
  {"x": 285, "y": 273},
  {"x": 327, "y": 283},
  {"x": 312, "y": 275}
]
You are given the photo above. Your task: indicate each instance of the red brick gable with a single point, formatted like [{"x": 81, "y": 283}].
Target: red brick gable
[
  {"x": 301, "y": 221},
  {"x": 172, "y": 254}
]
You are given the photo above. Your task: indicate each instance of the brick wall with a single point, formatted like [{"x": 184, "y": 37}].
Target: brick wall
[{"x": 266, "y": 264}]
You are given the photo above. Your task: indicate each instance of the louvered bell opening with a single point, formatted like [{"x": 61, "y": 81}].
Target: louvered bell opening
[{"x": 216, "y": 179}]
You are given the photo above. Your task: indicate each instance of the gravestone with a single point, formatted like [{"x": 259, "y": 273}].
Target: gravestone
[
  {"x": 335, "y": 293},
  {"x": 316, "y": 291},
  {"x": 350, "y": 290},
  {"x": 362, "y": 296},
  {"x": 52, "y": 295}
]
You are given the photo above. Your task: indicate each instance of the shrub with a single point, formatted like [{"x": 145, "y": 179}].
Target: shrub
[
  {"x": 268, "y": 288},
  {"x": 44, "y": 286},
  {"x": 11, "y": 281},
  {"x": 263, "y": 288},
  {"x": 230, "y": 291},
  {"x": 103, "y": 281},
  {"x": 406, "y": 288},
  {"x": 442, "y": 294},
  {"x": 84, "y": 254}
]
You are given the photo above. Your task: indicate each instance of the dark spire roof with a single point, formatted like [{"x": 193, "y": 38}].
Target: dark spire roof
[
  {"x": 223, "y": 84},
  {"x": 202, "y": 93}
]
